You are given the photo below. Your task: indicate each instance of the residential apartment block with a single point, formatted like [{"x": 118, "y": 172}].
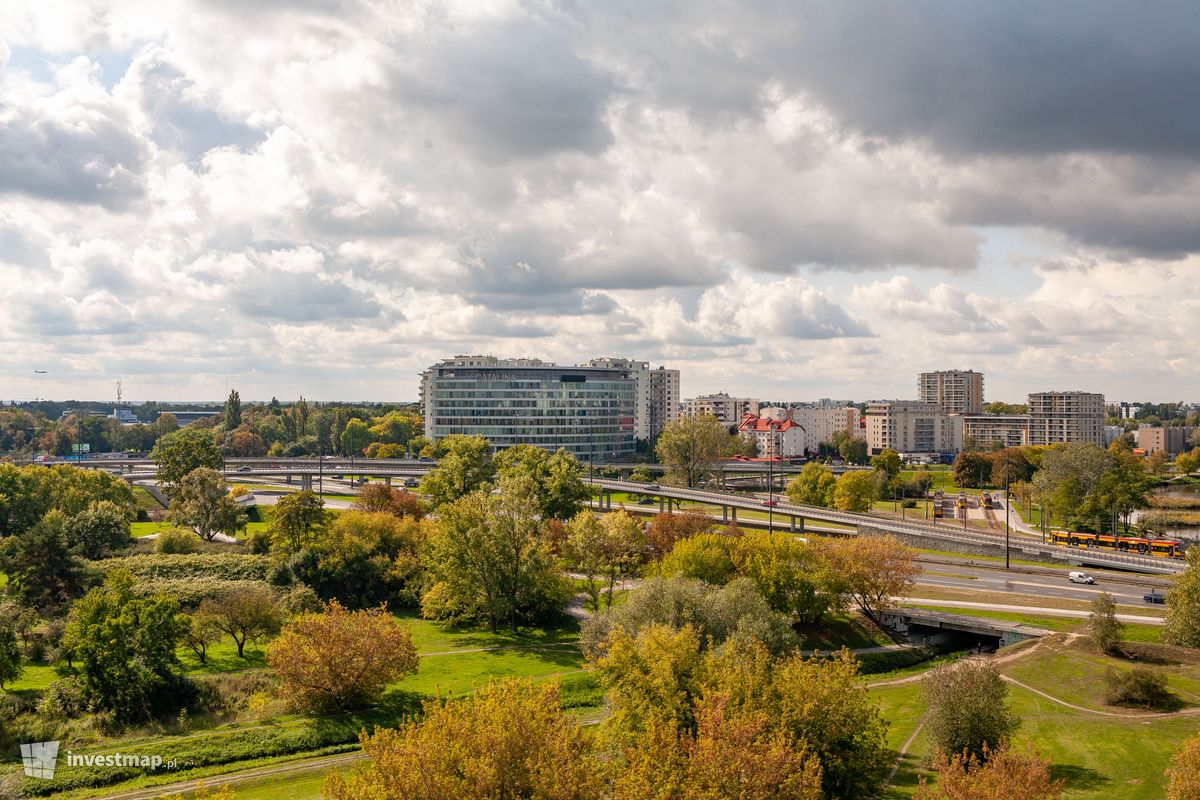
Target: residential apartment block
[
  {"x": 588, "y": 410},
  {"x": 776, "y": 438},
  {"x": 729, "y": 410},
  {"x": 954, "y": 391},
  {"x": 912, "y": 428},
  {"x": 1171, "y": 441},
  {"x": 1011, "y": 430},
  {"x": 1066, "y": 417},
  {"x": 818, "y": 423}
]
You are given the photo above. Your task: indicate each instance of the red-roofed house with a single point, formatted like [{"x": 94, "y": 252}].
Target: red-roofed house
[{"x": 776, "y": 438}]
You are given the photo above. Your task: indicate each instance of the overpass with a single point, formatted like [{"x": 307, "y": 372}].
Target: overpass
[
  {"x": 929, "y": 534},
  {"x": 937, "y": 627}
]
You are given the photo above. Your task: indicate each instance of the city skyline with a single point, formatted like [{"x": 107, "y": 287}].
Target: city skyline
[{"x": 821, "y": 201}]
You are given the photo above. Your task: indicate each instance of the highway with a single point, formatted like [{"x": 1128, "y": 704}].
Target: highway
[{"x": 1125, "y": 589}]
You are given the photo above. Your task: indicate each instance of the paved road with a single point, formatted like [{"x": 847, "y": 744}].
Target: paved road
[{"x": 1126, "y": 589}]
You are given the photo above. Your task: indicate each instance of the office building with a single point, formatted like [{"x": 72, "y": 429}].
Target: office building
[
  {"x": 912, "y": 428},
  {"x": 729, "y": 410},
  {"x": 1066, "y": 417},
  {"x": 587, "y": 410},
  {"x": 657, "y": 395},
  {"x": 1171, "y": 441},
  {"x": 954, "y": 391}
]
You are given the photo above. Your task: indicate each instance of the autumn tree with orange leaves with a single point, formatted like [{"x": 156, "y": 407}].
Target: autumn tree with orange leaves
[{"x": 1003, "y": 774}]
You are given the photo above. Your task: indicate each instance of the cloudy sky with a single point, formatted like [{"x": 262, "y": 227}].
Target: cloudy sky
[{"x": 785, "y": 199}]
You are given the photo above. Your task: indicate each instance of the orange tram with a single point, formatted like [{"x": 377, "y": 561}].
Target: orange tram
[{"x": 1162, "y": 548}]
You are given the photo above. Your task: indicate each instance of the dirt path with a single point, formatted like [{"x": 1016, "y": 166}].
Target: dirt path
[
  {"x": 903, "y": 752},
  {"x": 213, "y": 781}
]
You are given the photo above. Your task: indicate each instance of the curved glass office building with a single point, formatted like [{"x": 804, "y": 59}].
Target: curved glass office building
[{"x": 587, "y": 410}]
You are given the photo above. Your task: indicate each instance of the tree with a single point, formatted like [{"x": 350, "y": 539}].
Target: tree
[
  {"x": 199, "y": 631},
  {"x": 557, "y": 478},
  {"x": 855, "y": 491},
  {"x": 1187, "y": 463},
  {"x": 492, "y": 560},
  {"x": 177, "y": 454},
  {"x": 202, "y": 502},
  {"x": 972, "y": 469},
  {"x": 1001, "y": 774},
  {"x": 247, "y": 444},
  {"x": 1104, "y": 629},
  {"x": 1068, "y": 474},
  {"x": 299, "y": 519},
  {"x": 340, "y": 659},
  {"x": 853, "y": 450},
  {"x": 43, "y": 571},
  {"x": 1011, "y": 463},
  {"x": 871, "y": 570},
  {"x": 1183, "y": 605},
  {"x": 465, "y": 468},
  {"x": 889, "y": 461},
  {"x": 967, "y": 709},
  {"x": 1183, "y": 777},
  {"x": 355, "y": 438},
  {"x": 690, "y": 446},
  {"x": 233, "y": 410},
  {"x": 125, "y": 646},
  {"x": 508, "y": 740},
  {"x": 10, "y": 656},
  {"x": 790, "y": 574},
  {"x": 706, "y": 557},
  {"x": 381, "y": 498},
  {"x": 98, "y": 530},
  {"x": 732, "y": 754},
  {"x": 586, "y": 551},
  {"x": 246, "y": 615},
  {"x": 814, "y": 486},
  {"x": 1156, "y": 463},
  {"x": 664, "y": 530}
]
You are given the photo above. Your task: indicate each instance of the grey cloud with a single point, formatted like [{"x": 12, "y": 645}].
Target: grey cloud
[
  {"x": 289, "y": 297},
  {"x": 510, "y": 89}
]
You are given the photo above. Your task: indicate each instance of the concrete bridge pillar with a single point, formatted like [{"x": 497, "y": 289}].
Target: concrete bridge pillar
[
  {"x": 660, "y": 504},
  {"x": 387, "y": 479},
  {"x": 799, "y": 526},
  {"x": 725, "y": 514},
  {"x": 733, "y": 514},
  {"x": 306, "y": 483}
]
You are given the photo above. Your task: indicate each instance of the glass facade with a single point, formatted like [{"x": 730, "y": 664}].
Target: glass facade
[{"x": 588, "y": 411}]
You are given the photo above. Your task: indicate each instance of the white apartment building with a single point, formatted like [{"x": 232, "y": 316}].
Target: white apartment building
[
  {"x": 912, "y": 428},
  {"x": 657, "y": 394},
  {"x": 1066, "y": 417},
  {"x": 955, "y": 391},
  {"x": 729, "y": 410},
  {"x": 1012, "y": 430},
  {"x": 819, "y": 423},
  {"x": 776, "y": 438}
]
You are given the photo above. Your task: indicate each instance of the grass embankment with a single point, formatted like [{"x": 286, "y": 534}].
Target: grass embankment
[{"x": 1100, "y": 751}]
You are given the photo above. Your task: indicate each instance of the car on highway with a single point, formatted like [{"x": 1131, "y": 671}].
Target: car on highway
[
  {"x": 425, "y": 460},
  {"x": 245, "y": 468},
  {"x": 1080, "y": 577},
  {"x": 1154, "y": 597},
  {"x": 646, "y": 501},
  {"x": 770, "y": 503}
]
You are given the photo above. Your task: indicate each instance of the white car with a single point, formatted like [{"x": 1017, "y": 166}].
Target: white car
[{"x": 1080, "y": 577}]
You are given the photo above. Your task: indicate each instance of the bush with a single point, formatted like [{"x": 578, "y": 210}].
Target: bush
[
  {"x": 259, "y": 543},
  {"x": 177, "y": 541},
  {"x": 222, "y": 566},
  {"x": 63, "y": 699},
  {"x": 1139, "y": 688},
  {"x": 908, "y": 503}
]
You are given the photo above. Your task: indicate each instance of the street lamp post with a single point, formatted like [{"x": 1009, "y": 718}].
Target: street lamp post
[
  {"x": 1007, "y": 508},
  {"x": 771, "y": 494}
]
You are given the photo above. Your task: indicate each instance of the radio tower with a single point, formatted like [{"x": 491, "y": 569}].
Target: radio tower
[{"x": 118, "y": 392}]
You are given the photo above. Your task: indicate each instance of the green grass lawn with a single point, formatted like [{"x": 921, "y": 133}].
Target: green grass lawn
[{"x": 35, "y": 678}]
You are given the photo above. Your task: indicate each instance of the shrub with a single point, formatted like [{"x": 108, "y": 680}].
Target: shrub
[
  {"x": 259, "y": 543},
  {"x": 1138, "y": 688},
  {"x": 177, "y": 541},
  {"x": 968, "y": 709},
  {"x": 222, "y": 566}
]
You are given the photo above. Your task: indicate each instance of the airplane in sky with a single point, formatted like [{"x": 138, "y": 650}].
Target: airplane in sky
[{"x": 39, "y": 372}]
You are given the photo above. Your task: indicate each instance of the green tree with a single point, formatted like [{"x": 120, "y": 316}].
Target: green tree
[
  {"x": 125, "y": 646},
  {"x": 355, "y": 438},
  {"x": 586, "y": 552},
  {"x": 791, "y": 575},
  {"x": 1187, "y": 463},
  {"x": 492, "y": 560},
  {"x": 853, "y": 450},
  {"x": 202, "y": 502},
  {"x": 967, "y": 709},
  {"x": 10, "y": 656},
  {"x": 972, "y": 469},
  {"x": 298, "y": 520},
  {"x": 1068, "y": 474},
  {"x": 1183, "y": 777},
  {"x": 233, "y": 411},
  {"x": 98, "y": 530},
  {"x": 814, "y": 486},
  {"x": 465, "y": 468},
  {"x": 690, "y": 447},
  {"x": 870, "y": 571},
  {"x": 706, "y": 556},
  {"x": 855, "y": 491},
  {"x": 199, "y": 631},
  {"x": 889, "y": 461},
  {"x": 245, "y": 614},
  {"x": 557, "y": 478},
  {"x": 1103, "y": 627},
  {"x": 1121, "y": 489},
  {"x": 44, "y": 572},
  {"x": 177, "y": 454},
  {"x": 1183, "y": 605}
]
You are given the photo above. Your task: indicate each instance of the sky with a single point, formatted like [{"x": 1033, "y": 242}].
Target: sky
[{"x": 783, "y": 199}]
